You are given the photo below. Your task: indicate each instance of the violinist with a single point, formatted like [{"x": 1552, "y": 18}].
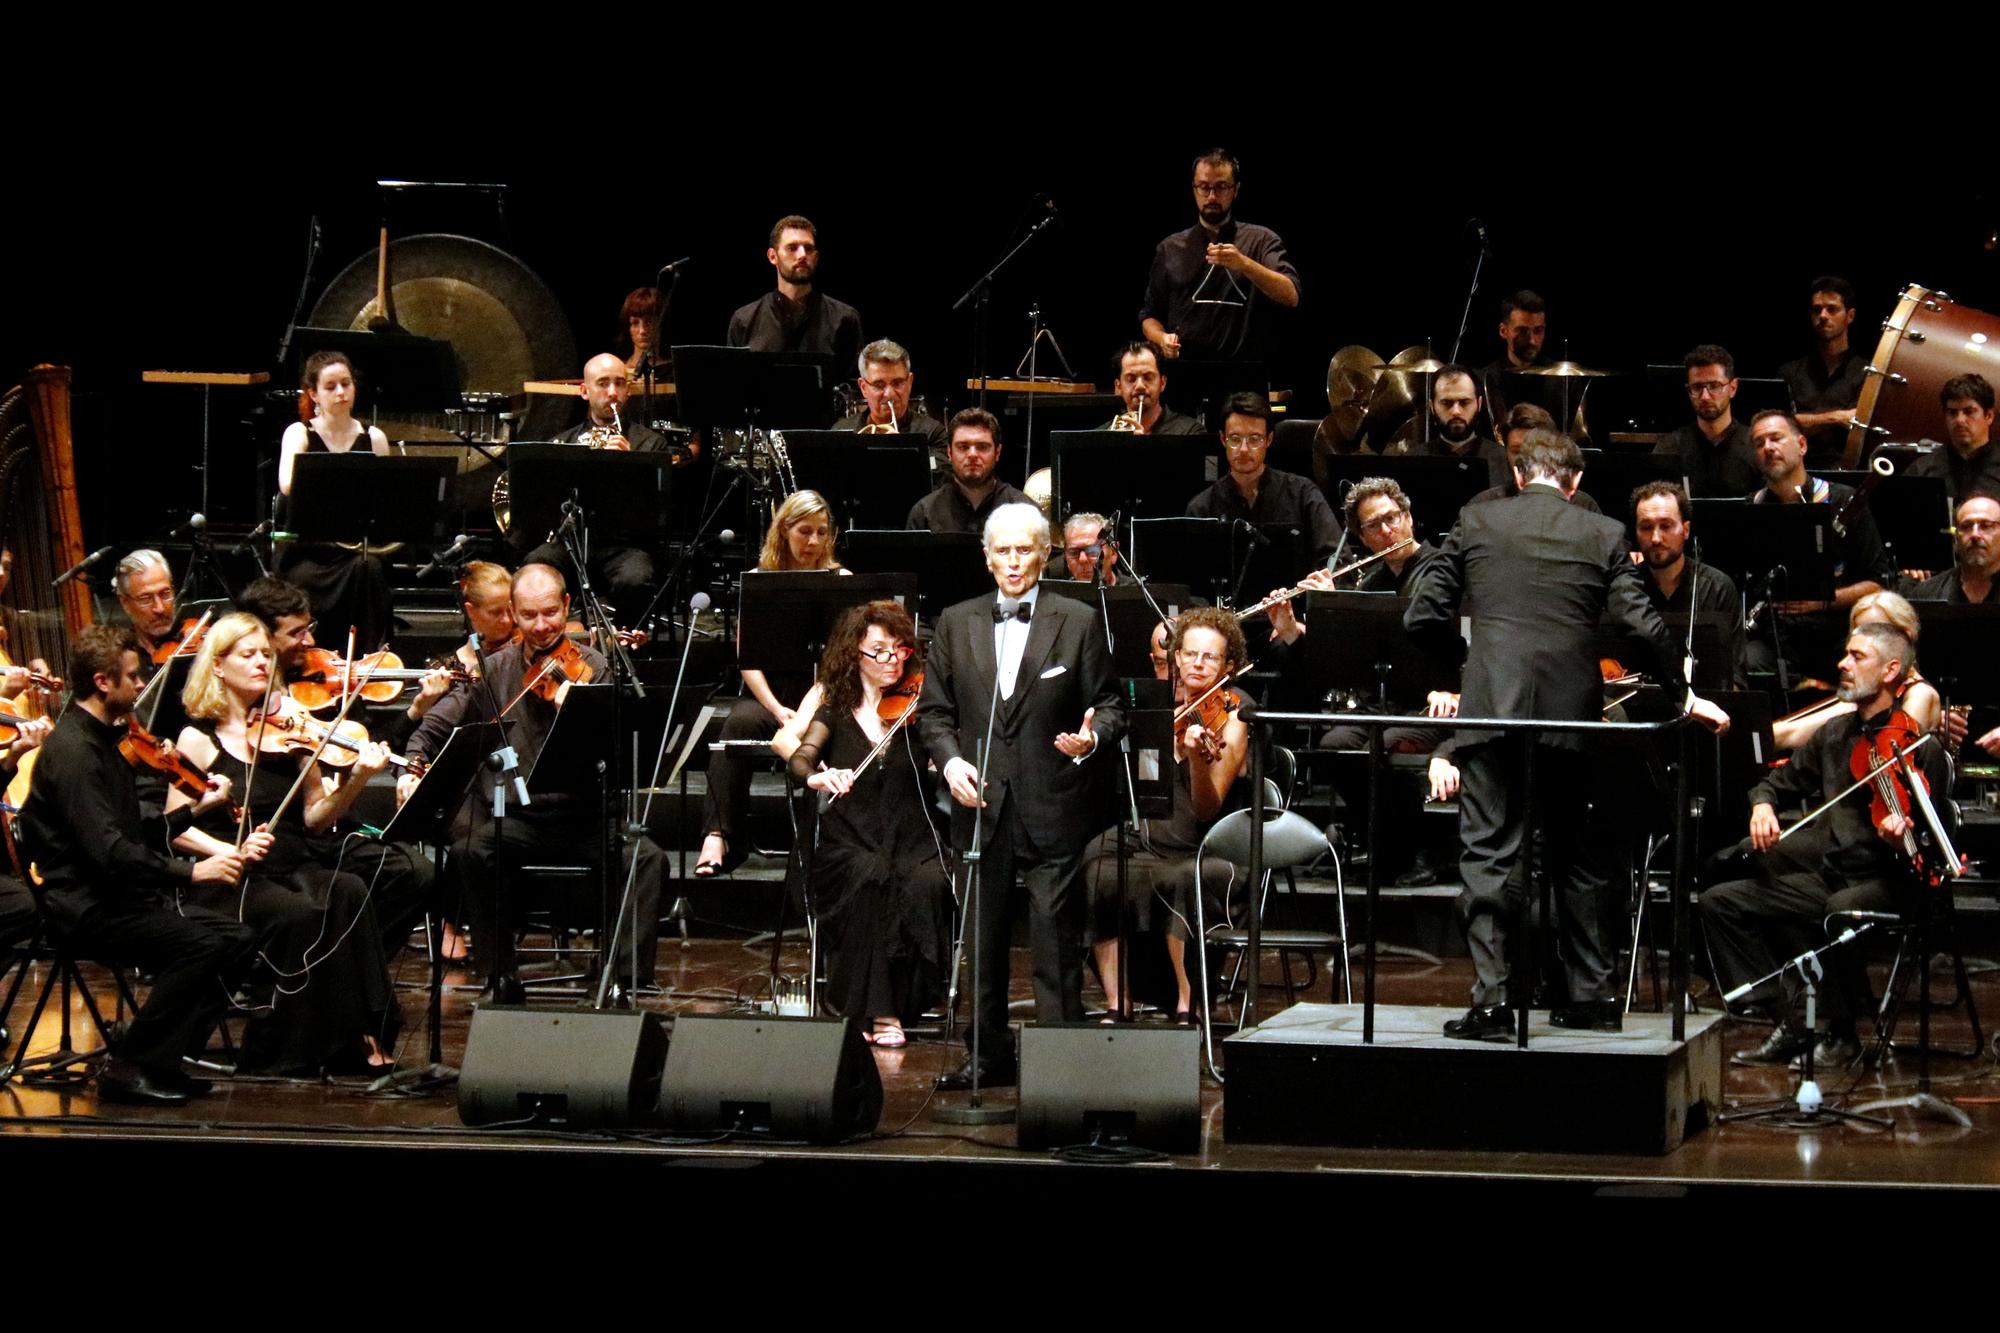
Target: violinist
[
  {"x": 1211, "y": 747},
  {"x": 145, "y": 587},
  {"x": 1974, "y": 554},
  {"x": 1253, "y": 493},
  {"x": 1851, "y": 858},
  {"x": 350, "y": 587},
  {"x": 880, "y": 889},
  {"x": 112, "y": 896},
  {"x": 323, "y": 1001},
  {"x": 560, "y": 825},
  {"x": 1675, "y": 580}
]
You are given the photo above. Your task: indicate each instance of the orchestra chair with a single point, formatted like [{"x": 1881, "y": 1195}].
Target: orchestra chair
[
  {"x": 65, "y": 1065},
  {"x": 1290, "y": 841},
  {"x": 1931, "y": 929}
]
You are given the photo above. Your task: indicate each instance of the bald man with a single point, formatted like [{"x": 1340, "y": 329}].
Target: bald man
[{"x": 606, "y": 389}]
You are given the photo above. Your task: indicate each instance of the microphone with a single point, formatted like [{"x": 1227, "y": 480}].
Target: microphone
[
  {"x": 701, "y": 601},
  {"x": 1250, "y": 530},
  {"x": 674, "y": 267},
  {"x": 1485, "y": 246},
  {"x": 196, "y": 522},
  {"x": 262, "y": 529},
  {"x": 725, "y": 536},
  {"x": 82, "y": 565},
  {"x": 442, "y": 557},
  {"x": 569, "y": 509}
]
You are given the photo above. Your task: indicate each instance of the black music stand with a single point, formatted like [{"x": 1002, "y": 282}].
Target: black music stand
[
  {"x": 721, "y": 386},
  {"x": 948, "y": 566},
  {"x": 394, "y": 372},
  {"x": 1713, "y": 669},
  {"x": 1959, "y": 646},
  {"x": 1202, "y": 555},
  {"x": 1438, "y": 487},
  {"x": 1913, "y": 514},
  {"x": 1610, "y": 478},
  {"x": 1361, "y": 638},
  {"x": 1131, "y": 616},
  {"x": 580, "y": 753},
  {"x": 362, "y": 498},
  {"x": 1138, "y": 476},
  {"x": 1747, "y": 541},
  {"x": 784, "y": 616},
  {"x": 872, "y": 481},
  {"x": 624, "y": 495}
]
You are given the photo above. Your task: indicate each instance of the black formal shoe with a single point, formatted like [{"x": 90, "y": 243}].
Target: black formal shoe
[
  {"x": 1595, "y": 1015},
  {"x": 504, "y": 988},
  {"x": 1832, "y": 1053},
  {"x": 996, "y": 1074},
  {"x": 192, "y": 1086},
  {"x": 1418, "y": 876},
  {"x": 1779, "y": 1048},
  {"x": 135, "y": 1087},
  {"x": 1483, "y": 1023},
  {"x": 618, "y": 995}
]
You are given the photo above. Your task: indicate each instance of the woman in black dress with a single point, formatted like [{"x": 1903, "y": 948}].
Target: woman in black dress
[
  {"x": 879, "y": 886},
  {"x": 347, "y": 587},
  {"x": 322, "y": 1001}
]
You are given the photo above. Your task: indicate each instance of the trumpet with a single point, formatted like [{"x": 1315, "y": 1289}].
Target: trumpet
[{"x": 1132, "y": 422}]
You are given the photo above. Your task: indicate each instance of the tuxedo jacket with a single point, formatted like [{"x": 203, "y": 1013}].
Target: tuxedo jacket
[
  {"x": 1065, "y": 669},
  {"x": 1539, "y": 574}
]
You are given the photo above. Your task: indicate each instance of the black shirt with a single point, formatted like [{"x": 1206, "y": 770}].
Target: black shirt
[
  {"x": 1170, "y": 423},
  {"x": 1382, "y": 577},
  {"x": 643, "y": 438},
  {"x": 1962, "y": 476},
  {"x": 1499, "y": 472},
  {"x": 1283, "y": 499},
  {"x": 1727, "y": 471},
  {"x": 1712, "y": 590},
  {"x": 1814, "y": 389},
  {"x": 527, "y": 724},
  {"x": 1946, "y": 586},
  {"x": 1863, "y": 557},
  {"x": 1502, "y": 389},
  {"x": 81, "y": 824},
  {"x": 947, "y": 510},
  {"x": 1818, "y": 772},
  {"x": 773, "y": 323},
  {"x": 1228, "y": 332}
]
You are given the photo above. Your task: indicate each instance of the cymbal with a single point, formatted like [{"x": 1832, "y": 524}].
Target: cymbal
[
  {"x": 1351, "y": 378},
  {"x": 1423, "y": 365},
  {"x": 1561, "y": 370}
]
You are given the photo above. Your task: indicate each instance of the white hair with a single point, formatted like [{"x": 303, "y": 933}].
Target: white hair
[
  {"x": 1081, "y": 521},
  {"x": 135, "y": 564},
  {"x": 1035, "y": 520}
]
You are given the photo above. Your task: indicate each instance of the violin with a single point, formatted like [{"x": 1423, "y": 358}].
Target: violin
[
  {"x": 1212, "y": 709},
  {"x": 379, "y": 677},
  {"x": 142, "y": 749},
  {"x": 1901, "y": 788},
  {"x": 896, "y": 707},
  {"x": 292, "y": 730},
  {"x": 562, "y": 667},
  {"x": 186, "y": 639}
]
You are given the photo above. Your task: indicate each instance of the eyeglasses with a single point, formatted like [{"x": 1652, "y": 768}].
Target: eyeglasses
[
  {"x": 886, "y": 655},
  {"x": 1215, "y": 187},
  {"x": 1708, "y": 390},
  {"x": 1201, "y": 659},
  {"x": 1078, "y": 552},
  {"x": 1245, "y": 441},
  {"x": 1382, "y": 521},
  {"x": 1979, "y": 525}
]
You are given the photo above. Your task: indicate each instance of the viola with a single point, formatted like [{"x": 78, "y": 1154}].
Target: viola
[
  {"x": 1878, "y": 760},
  {"x": 561, "y": 667},
  {"x": 1212, "y": 709},
  {"x": 142, "y": 749}
]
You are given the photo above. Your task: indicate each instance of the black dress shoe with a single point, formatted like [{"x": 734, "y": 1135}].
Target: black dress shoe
[
  {"x": 618, "y": 995},
  {"x": 504, "y": 988},
  {"x": 135, "y": 1087},
  {"x": 1832, "y": 1053},
  {"x": 192, "y": 1086},
  {"x": 996, "y": 1074},
  {"x": 1483, "y": 1023},
  {"x": 1780, "y": 1048},
  {"x": 1594, "y": 1015}
]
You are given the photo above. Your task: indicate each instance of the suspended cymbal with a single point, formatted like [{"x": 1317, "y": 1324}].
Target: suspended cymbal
[
  {"x": 1351, "y": 378},
  {"x": 1422, "y": 365},
  {"x": 1562, "y": 370}
]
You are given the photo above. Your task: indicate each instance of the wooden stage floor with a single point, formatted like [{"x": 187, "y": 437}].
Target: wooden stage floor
[{"x": 715, "y": 975}]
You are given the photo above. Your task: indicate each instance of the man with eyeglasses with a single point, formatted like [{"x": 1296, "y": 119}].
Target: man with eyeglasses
[
  {"x": 797, "y": 317},
  {"x": 1085, "y": 546},
  {"x": 1826, "y": 382},
  {"x": 887, "y": 383},
  {"x": 1715, "y": 453},
  {"x": 145, "y": 587},
  {"x": 1253, "y": 493},
  {"x": 1455, "y": 405},
  {"x": 1975, "y": 530},
  {"x": 1207, "y": 283},
  {"x": 1141, "y": 384}
]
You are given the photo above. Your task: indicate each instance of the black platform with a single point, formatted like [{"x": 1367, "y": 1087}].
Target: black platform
[{"x": 1304, "y": 1077}]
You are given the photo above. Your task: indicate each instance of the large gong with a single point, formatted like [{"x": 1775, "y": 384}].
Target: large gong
[{"x": 501, "y": 319}]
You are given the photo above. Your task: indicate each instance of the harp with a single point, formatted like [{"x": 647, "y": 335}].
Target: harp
[{"x": 39, "y": 522}]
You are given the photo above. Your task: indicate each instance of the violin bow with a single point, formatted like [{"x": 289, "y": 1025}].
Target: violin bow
[{"x": 1874, "y": 771}]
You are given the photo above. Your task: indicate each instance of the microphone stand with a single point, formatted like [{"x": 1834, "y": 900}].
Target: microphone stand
[
  {"x": 687, "y": 551},
  {"x": 1806, "y": 1108},
  {"x": 1465, "y": 319},
  {"x": 973, "y": 1113},
  {"x": 982, "y": 290}
]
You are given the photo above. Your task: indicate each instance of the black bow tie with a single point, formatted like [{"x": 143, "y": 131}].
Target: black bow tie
[{"x": 1022, "y": 611}]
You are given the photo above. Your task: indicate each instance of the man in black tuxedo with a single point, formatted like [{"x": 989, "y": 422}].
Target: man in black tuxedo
[
  {"x": 1039, "y": 789},
  {"x": 1538, "y": 574}
]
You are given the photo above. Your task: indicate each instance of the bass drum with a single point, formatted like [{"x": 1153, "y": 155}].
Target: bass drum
[
  {"x": 1929, "y": 339},
  {"x": 503, "y": 321}
]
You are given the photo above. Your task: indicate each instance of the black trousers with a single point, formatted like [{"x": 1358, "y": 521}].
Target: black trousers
[
  {"x": 403, "y": 884},
  {"x": 726, "y": 808},
  {"x": 1755, "y": 924},
  {"x": 1053, "y": 885},
  {"x": 1492, "y": 822},
  {"x": 196, "y": 956},
  {"x": 533, "y": 836},
  {"x": 17, "y": 912}
]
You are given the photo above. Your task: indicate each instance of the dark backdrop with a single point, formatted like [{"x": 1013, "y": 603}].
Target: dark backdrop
[{"x": 196, "y": 264}]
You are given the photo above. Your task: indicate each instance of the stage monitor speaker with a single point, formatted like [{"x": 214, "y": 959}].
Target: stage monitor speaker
[
  {"x": 788, "y": 1078},
  {"x": 579, "y": 1068},
  {"x": 1084, "y": 1083}
]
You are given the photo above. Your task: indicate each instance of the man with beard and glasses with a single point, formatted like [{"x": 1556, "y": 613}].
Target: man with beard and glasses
[
  {"x": 1968, "y": 462},
  {"x": 1826, "y": 382},
  {"x": 1524, "y": 329},
  {"x": 1209, "y": 282},
  {"x": 1455, "y": 404},
  {"x": 1714, "y": 451},
  {"x": 1976, "y": 524},
  {"x": 1677, "y": 581},
  {"x": 796, "y": 317}
]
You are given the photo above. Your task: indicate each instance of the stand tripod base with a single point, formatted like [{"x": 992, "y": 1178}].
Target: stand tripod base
[
  {"x": 1923, "y": 1103},
  {"x": 973, "y": 1115}
]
